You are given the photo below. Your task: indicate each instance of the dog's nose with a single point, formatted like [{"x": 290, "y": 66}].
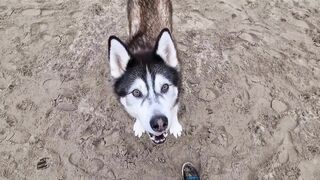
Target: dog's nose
[{"x": 159, "y": 123}]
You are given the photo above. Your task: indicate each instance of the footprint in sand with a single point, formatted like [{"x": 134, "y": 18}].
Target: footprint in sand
[
  {"x": 207, "y": 94},
  {"x": 8, "y": 165},
  {"x": 310, "y": 169},
  {"x": 3, "y": 134},
  {"x": 90, "y": 166},
  {"x": 287, "y": 151},
  {"x": 3, "y": 8},
  {"x": 20, "y": 137},
  {"x": 31, "y": 12},
  {"x": 43, "y": 163},
  {"x": 300, "y": 15},
  {"x": 282, "y": 136},
  {"x": 46, "y": 12},
  {"x": 217, "y": 135},
  {"x": 66, "y": 101},
  {"x": 278, "y": 106},
  {"x": 241, "y": 101},
  {"x": 36, "y": 29},
  {"x": 211, "y": 165},
  {"x": 11, "y": 121},
  {"x": 47, "y": 159},
  {"x": 316, "y": 40},
  {"x": 26, "y": 105},
  {"x": 39, "y": 31}
]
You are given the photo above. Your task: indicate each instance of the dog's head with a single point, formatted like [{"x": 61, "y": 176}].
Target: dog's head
[{"x": 147, "y": 83}]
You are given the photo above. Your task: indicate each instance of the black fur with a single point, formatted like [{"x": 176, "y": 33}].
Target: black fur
[{"x": 137, "y": 68}]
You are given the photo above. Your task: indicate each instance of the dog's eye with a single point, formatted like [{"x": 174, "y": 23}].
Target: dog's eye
[
  {"x": 164, "y": 88},
  {"x": 136, "y": 93}
]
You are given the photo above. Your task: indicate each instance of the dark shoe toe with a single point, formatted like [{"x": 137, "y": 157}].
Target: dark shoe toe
[{"x": 189, "y": 172}]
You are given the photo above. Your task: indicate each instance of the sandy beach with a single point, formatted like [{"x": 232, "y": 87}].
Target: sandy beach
[{"x": 250, "y": 106}]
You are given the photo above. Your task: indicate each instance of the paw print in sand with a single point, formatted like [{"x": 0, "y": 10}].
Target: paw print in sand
[{"x": 43, "y": 163}]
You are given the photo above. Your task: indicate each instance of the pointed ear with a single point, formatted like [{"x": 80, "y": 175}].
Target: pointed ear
[
  {"x": 166, "y": 49},
  {"x": 119, "y": 56}
]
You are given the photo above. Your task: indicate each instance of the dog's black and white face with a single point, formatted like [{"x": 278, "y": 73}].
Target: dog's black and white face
[{"x": 148, "y": 86}]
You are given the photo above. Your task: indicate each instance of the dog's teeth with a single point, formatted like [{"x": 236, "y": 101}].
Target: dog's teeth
[{"x": 165, "y": 134}]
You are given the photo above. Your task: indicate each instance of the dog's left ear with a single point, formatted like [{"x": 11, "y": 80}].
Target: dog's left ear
[{"x": 166, "y": 49}]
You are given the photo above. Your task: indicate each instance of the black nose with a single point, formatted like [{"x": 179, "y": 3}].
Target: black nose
[{"x": 159, "y": 123}]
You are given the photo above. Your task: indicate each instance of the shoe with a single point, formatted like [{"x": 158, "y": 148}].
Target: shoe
[{"x": 189, "y": 172}]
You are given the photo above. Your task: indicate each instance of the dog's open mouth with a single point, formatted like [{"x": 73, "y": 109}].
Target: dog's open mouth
[{"x": 158, "y": 139}]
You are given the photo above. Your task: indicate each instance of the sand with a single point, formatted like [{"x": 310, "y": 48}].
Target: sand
[{"x": 250, "y": 105}]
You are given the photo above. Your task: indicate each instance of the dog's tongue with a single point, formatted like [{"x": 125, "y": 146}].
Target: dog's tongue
[{"x": 160, "y": 137}]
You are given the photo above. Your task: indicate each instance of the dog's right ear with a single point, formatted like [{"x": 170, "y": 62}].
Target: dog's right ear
[{"x": 119, "y": 56}]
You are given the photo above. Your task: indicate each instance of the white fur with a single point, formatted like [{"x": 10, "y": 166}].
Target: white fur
[
  {"x": 166, "y": 50},
  {"x": 118, "y": 58},
  {"x": 175, "y": 127},
  {"x": 138, "y": 129},
  {"x": 144, "y": 108}
]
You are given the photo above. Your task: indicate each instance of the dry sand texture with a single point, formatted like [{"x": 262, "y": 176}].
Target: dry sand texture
[{"x": 250, "y": 107}]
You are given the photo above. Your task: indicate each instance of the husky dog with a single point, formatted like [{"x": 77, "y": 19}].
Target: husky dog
[{"x": 146, "y": 69}]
